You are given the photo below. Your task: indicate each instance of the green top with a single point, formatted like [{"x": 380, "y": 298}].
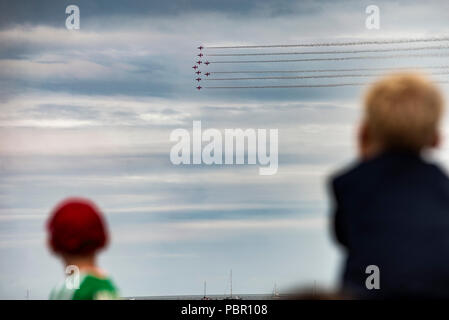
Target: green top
[{"x": 90, "y": 288}]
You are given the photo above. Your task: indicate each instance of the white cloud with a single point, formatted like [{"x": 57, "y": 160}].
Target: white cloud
[{"x": 213, "y": 229}]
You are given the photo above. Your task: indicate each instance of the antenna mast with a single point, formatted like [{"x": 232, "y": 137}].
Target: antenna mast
[{"x": 231, "y": 283}]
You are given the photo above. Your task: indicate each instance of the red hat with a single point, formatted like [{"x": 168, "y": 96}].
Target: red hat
[{"x": 76, "y": 226}]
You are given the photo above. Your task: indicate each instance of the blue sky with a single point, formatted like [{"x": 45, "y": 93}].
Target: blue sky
[{"x": 89, "y": 113}]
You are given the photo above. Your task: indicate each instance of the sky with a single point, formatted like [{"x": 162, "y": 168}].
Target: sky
[{"x": 89, "y": 113}]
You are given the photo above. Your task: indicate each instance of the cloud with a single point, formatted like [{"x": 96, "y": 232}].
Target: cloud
[
  {"x": 152, "y": 57},
  {"x": 164, "y": 232},
  {"x": 73, "y": 69},
  {"x": 198, "y": 230},
  {"x": 52, "y": 12}
]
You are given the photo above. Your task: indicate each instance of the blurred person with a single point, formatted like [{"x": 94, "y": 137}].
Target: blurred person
[
  {"x": 391, "y": 208},
  {"x": 76, "y": 233},
  {"x": 312, "y": 293}
]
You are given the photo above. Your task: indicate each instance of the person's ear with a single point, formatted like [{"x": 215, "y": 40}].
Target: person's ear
[
  {"x": 436, "y": 140},
  {"x": 363, "y": 140},
  {"x": 369, "y": 146},
  {"x": 50, "y": 246}
]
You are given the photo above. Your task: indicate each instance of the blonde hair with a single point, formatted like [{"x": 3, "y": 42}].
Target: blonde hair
[{"x": 403, "y": 110}]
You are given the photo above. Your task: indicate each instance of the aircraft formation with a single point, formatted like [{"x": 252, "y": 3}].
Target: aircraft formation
[
  {"x": 276, "y": 66},
  {"x": 197, "y": 66}
]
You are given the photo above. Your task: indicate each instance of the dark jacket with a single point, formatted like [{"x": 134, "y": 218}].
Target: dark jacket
[{"x": 393, "y": 212}]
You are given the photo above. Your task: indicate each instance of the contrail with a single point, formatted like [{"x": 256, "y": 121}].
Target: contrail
[
  {"x": 329, "y": 44},
  {"x": 311, "y": 77},
  {"x": 300, "y": 86},
  {"x": 331, "y": 59},
  {"x": 326, "y": 52},
  {"x": 290, "y": 86},
  {"x": 327, "y": 70}
]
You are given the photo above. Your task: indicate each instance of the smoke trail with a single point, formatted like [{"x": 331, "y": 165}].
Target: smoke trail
[
  {"x": 300, "y": 86},
  {"x": 326, "y": 52},
  {"x": 329, "y": 44},
  {"x": 333, "y": 59},
  {"x": 289, "y": 86},
  {"x": 311, "y": 77},
  {"x": 327, "y": 70}
]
